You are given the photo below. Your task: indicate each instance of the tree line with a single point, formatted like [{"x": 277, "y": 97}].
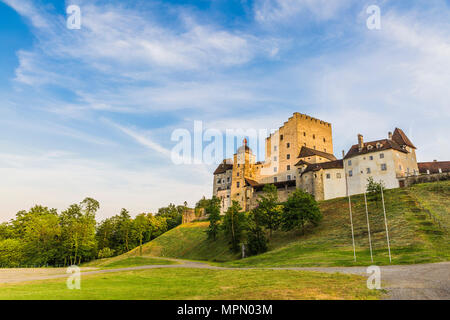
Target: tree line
[
  {"x": 42, "y": 236},
  {"x": 254, "y": 229}
]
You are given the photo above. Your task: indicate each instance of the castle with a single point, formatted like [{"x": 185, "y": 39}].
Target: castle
[{"x": 300, "y": 155}]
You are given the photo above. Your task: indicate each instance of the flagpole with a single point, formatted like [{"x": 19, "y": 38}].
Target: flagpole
[
  {"x": 368, "y": 227},
  {"x": 351, "y": 216},
  {"x": 385, "y": 223}
]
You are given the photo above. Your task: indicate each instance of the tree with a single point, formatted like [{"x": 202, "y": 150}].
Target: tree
[
  {"x": 373, "y": 189},
  {"x": 269, "y": 209},
  {"x": 300, "y": 208},
  {"x": 234, "y": 225},
  {"x": 140, "y": 225},
  {"x": 11, "y": 253},
  {"x": 173, "y": 215},
  {"x": 124, "y": 231},
  {"x": 213, "y": 210},
  {"x": 256, "y": 238}
]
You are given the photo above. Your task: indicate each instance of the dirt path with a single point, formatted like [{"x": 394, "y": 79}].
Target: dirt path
[{"x": 405, "y": 282}]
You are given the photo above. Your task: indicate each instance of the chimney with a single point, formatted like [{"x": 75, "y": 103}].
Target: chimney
[
  {"x": 343, "y": 154},
  {"x": 390, "y": 135},
  {"x": 360, "y": 142}
]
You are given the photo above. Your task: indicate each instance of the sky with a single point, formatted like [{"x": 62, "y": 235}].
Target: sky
[{"x": 91, "y": 111}]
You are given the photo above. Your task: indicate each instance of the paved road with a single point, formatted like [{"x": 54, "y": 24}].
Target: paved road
[{"x": 405, "y": 282}]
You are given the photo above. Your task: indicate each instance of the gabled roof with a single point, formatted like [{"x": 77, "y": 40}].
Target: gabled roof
[
  {"x": 308, "y": 152},
  {"x": 223, "y": 167},
  {"x": 434, "y": 166},
  {"x": 251, "y": 182},
  {"x": 384, "y": 144},
  {"x": 336, "y": 164},
  {"x": 400, "y": 137},
  {"x": 301, "y": 162}
]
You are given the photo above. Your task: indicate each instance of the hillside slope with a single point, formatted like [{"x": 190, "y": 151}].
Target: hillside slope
[{"x": 417, "y": 221}]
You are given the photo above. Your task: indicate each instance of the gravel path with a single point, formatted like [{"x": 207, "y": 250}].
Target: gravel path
[{"x": 403, "y": 282}]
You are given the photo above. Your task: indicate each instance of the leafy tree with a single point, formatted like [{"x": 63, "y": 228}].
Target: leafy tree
[
  {"x": 173, "y": 215},
  {"x": 105, "y": 253},
  {"x": 269, "y": 210},
  {"x": 373, "y": 189},
  {"x": 125, "y": 224},
  {"x": 202, "y": 203},
  {"x": 140, "y": 225},
  {"x": 256, "y": 238},
  {"x": 300, "y": 208},
  {"x": 41, "y": 235},
  {"x": 234, "y": 225},
  {"x": 213, "y": 210},
  {"x": 11, "y": 253}
]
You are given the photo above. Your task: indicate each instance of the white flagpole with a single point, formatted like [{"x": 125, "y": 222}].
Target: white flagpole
[
  {"x": 385, "y": 223},
  {"x": 351, "y": 217},
  {"x": 368, "y": 227}
]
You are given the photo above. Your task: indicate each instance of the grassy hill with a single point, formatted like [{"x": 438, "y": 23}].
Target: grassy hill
[{"x": 418, "y": 221}]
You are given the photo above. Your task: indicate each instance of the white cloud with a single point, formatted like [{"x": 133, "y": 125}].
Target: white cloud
[{"x": 267, "y": 11}]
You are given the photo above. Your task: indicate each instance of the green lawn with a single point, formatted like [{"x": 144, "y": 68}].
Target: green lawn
[
  {"x": 124, "y": 262},
  {"x": 199, "y": 284}
]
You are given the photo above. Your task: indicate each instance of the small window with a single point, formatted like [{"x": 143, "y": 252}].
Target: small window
[
  {"x": 275, "y": 179},
  {"x": 275, "y": 148},
  {"x": 383, "y": 167},
  {"x": 228, "y": 195},
  {"x": 338, "y": 175},
  {"x": 368, "y": 170},
  {"x": 228, "y": 179},
  {"x": 288, "y": 156},
  {"x": 275, "y": 169},
  {"x": 237, "y": 184},
  {"x": 304, "y": 134},
  {"x": 218, "y": 181},
  {"x": 324, "y": 150},
  {"x": 289, "y": 177},
  {"x": 288, "y": 167},
  {"x": 275, "y": 158},
  {"x": 281, "y": 137},
  {"x": 371, "y": 158},
  {"x": 381, "y": 155},
  {"x": 328, "y": 176},
  {"x": 237, "y": 174},
  {"x": 349, "y": 162},
  {"x": 288, "y": 145},
  {"x": 314, "y": 136},
  {"x": 350, "y": 173}
]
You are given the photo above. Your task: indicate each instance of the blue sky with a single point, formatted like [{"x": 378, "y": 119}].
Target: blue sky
[{"x": 90, "y": 112}]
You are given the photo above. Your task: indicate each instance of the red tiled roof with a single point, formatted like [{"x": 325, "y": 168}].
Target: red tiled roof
[
  {"x": 434, "y": 166},
  {"x": 308, "y": 152},
  {"x": 337, "y": 164},
  {"x": 400, "y": 137},
  {"x": 385, "y": 144},
  {"x": 223, "y": 167}
]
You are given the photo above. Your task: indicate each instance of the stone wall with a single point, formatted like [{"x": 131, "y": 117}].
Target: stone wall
[
  {"x": 190, "y": 215},
  {"x": 423, "y": 178}
]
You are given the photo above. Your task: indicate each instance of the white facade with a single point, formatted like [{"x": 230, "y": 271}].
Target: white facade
[{"x": 379, "y": 165}]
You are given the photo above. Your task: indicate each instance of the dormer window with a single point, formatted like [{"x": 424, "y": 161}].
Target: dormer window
[{"x": 369, "y": 147}]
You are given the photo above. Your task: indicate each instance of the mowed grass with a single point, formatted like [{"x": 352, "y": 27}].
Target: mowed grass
[
  {"x": 124, "y": 262},
  {"x": 201, "y": 284}
]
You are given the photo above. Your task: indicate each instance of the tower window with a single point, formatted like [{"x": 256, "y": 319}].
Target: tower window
[
  {"x": 328, "y": 176},
  {"x": 314, "y": 136},
  {"x": 324, "y": 140},
  {"x": 281, "y": 137},
  {"x": 288, "y": 156},
  {"x": 237, "y": 184},
  {"x": 288, "y": 145},
  {"x": 383, "y": 167},
  {"x": 288, "y": 167},
  {"x": 304, "y": 134},
  {"x": 381, "y": 155},
  {"x": 275, "y": 179},
  {"x": 368, "y": 170},
  {"x": 350, "y": 173},
  {"x": 275, "y": 169}
]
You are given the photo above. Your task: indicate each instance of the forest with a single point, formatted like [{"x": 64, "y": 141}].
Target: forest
[{"x": 44, "y": 237}]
